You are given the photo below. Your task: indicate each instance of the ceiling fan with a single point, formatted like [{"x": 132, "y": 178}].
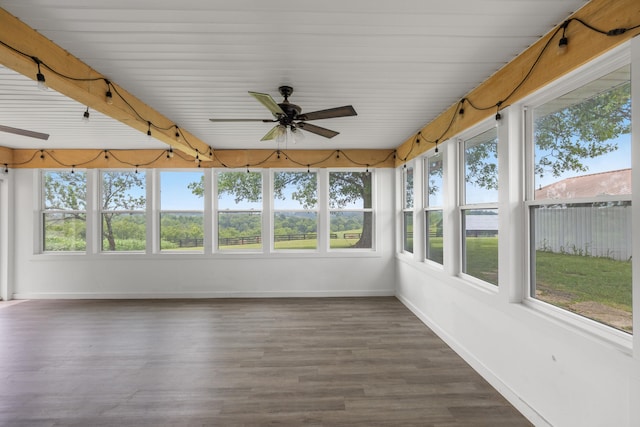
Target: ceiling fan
[
  {"x": 24, "y": 132},
  {"x": 290, "y": 116}
]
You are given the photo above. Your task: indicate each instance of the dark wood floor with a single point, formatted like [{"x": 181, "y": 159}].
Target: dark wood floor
[{"x": 235, "y": 362}]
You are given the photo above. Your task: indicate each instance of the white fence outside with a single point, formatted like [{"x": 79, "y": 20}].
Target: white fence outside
[{"x": 588, "y": 229}]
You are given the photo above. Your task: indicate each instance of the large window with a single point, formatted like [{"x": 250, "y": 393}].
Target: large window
[
  {"x": 433, "y": 211},
  {"x": 407, "y": 209},
  {"x": 295, "y": 210},
  {"x": 123, "y": 211},
  {"x": 181, "y": 211},
  {"x": 350, "y": 210},
  {"x": 239, "y": 210},
  {"x": 64, "y": 215},
  {"x": 580, "y": 200},
  {"x": 479, "y": 207}
]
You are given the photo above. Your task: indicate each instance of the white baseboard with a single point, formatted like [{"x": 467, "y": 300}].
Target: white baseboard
[
  {"x": 208, "y": 294},
  {"x": 508, "y": 393}
]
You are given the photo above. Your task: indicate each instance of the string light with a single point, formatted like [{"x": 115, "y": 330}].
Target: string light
[
  {"x": 85, "y": 115},
  {"x": 170, "y": 153},
  {"x": 108, "y": 96},
  {"x": 42, "y": 82},
  {"x": 6, "y": 168},
  {"x": 562, "y": 47},
  {"x": 106, "y": 155},
  {"x": 178, "y": 137},
  {"x": 136, "y": 168},
  {"x": 73, "y": 168},
  {"x": 42, "y": 154},
  {"x": 564, "y": 41}
]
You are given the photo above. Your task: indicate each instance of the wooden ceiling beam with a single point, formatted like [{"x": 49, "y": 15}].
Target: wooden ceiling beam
[
  {"x": 26, "y": 44},
  {"x": 232, "y": 159}
]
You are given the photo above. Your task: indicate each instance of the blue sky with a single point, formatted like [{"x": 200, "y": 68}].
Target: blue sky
[{"x": 619, "y": 159}]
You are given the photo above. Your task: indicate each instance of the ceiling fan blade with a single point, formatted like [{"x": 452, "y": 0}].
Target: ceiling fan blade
[
  {"x": 268, "y": 101},
  {"x": 272, "y": 134},
  {"x": 327, "y": 133},
  {"x": 24, "y": 132},
  {"x": 241, "y": 120},
  {"x": 345, "y": 111}
]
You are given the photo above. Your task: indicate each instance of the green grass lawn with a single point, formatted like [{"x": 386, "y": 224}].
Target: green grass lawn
[
  {"x": 579, "y": 279},
  {"x": 482, "y": 258}
]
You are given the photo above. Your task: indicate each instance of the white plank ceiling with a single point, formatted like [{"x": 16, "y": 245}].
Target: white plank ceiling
[{"x": 399, "y": 63}]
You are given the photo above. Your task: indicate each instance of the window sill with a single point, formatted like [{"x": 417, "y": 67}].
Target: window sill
[{"x": 592, "y": 329}]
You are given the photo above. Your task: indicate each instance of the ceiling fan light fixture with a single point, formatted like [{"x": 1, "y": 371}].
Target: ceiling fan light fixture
[
  {"x": 281, "y": 133},
  {"x": 297, "y": 134}
]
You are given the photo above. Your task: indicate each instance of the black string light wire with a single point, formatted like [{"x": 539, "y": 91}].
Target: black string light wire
[
  {"x": 562, "y": 45},
  {"x": 458, "y": 111}
]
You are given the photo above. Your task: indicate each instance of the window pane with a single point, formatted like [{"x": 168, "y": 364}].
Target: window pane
[
  {"x": 181, "y": 191},
  {"x": 239, "y": 190},
  {"x": 123, "y": 191},
  {"x": 181, "y": 231},
  {"x": 407, "y": 175},
  {"x": 295, "y": 230},
  {"x": 434, "y": 180},
  {"x": 434, "y": 236},
  {"x": 295, "y": 190},
  {"x": 407, "y": 233},
  {"x": 351, "y": 230},
  {"x": 123, "y": 232},
  {"x": 240, "y": 230},
  {"x": 65, "y": 231},
  {"x": 481, "y": 168},
  {"x": 582, "y": 258},
  {"x": 65, "y": 190},
  {"x": 480, "y": 244},
  {"x": 583, "y": 140},
  {"x": 350, "y": 190}
]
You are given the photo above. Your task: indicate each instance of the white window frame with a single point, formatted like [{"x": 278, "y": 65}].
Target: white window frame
[
  {"x": 435, "y": 208},
  {"x": 407, "y": 210},
  {"x": 463, "y": 206},
  {"x": 370, "y": 210},
  {"x": 157, "y": 200},
  {"x": 43, "y": 211},
  {"x": 146, "y": 212},
  {"x": 216, "y": 211},
  {"x": 320, "y": 220},
  {"x": 606, "y": 63}
]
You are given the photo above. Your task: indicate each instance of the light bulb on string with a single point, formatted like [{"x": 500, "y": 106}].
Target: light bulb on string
[
  {"x": 42, "y": 82},
  {"x": 149, "y": 129},
  {"x": 170, "y": 153},
  {"x": 563, "y": 44},
  {"x": 85, "y": 115}
]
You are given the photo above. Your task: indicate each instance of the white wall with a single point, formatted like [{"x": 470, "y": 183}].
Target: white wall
[
  {"x": 553, "y": 373},
  {"x": 188, "y": 275},
  {"x": 557, "y": 368}
]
